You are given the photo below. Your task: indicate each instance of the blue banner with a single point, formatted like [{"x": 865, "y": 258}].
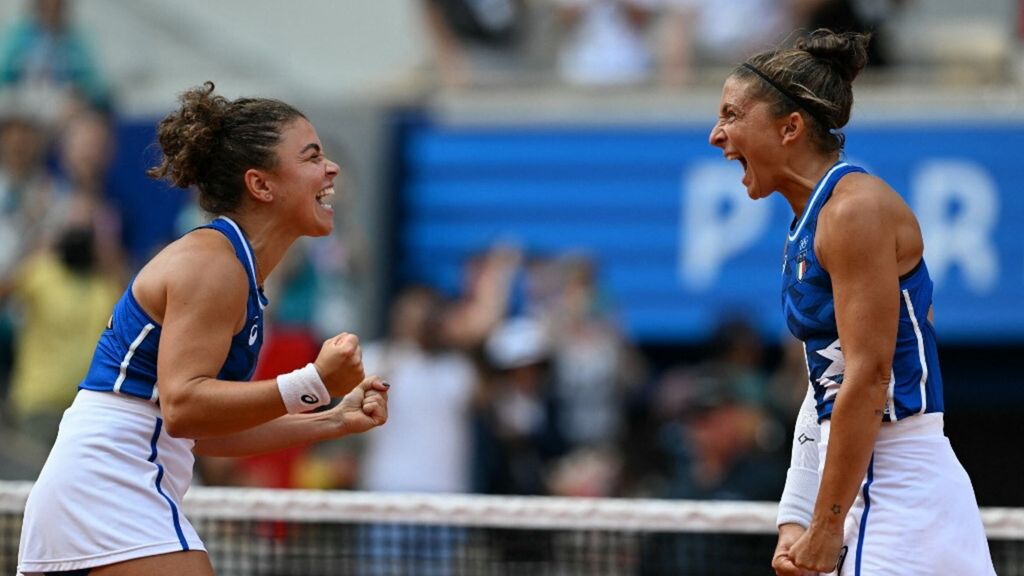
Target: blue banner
[{"x": 678, "y": 243}]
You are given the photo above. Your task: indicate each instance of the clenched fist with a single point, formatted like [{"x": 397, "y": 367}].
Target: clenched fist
[
  {"x": 340, "y": 364},
  {"x": 365, "y": 407},
  {"x": 781, "y": 562}
]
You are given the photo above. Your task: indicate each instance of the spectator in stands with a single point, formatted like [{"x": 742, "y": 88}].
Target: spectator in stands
[
  {"x": 427, "y": 445},
  {"x": 46, "y": 56},
  {"x": 473, "y": 39},
  {"x": 486, "y": 298},
  {"x": 715, "y": 432},
  {"x": 854, "y": 16},
  {"x": 709, "y": 32},
  {"x": 32, "y": 209},
  {"x": 710, "y": 432},
  {"x": 30, "y": 214},
  {"x": 517, "y": 432},
  {"x": 65, "y": 298},
  {"x": 605, "y": 41},
  {"x": 87, "y": 148},
  {"x": 594, "y": 368}
]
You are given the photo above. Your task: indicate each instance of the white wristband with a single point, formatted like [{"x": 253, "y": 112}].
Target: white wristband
[
  {"x": 797, "y": 503},
  {"x": 303, "y": 390}
]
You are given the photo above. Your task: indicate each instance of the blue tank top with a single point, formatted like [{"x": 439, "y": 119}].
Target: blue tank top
[
  {"x": 126, "y": 356},
  {"x": 915, "y": 385}
]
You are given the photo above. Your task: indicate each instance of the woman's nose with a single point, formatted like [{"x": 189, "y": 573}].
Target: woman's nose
[{"x": 717, "y": 135}]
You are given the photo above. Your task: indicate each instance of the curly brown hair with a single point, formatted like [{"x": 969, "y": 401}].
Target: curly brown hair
[{"x": 210, "y": 142}]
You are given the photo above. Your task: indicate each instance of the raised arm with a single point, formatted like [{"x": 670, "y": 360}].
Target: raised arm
[{"x": 856, "y": 243}]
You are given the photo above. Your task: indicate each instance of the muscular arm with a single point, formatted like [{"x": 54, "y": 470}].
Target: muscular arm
[
  {"x": 205, "y": 290},
  {"x": 284, "y": 432},
  {"x": 360, "y": 410},
  {"x": 857, "y": 245}
]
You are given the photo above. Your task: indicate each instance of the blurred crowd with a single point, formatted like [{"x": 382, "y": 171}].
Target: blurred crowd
[
  {"x": 61, "y": 260},
  {"x": 609, "y": 43},
  {"x": 523, "y": 382}
]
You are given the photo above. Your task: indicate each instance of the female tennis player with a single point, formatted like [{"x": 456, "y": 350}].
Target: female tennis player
[
  {"x": 891, "y": 497},
  {"x": 169, "y": 378}
]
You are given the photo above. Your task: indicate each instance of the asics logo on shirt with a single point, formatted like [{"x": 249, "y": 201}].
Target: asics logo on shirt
[
  {"x": 252, "y": 334},
  {"x": 309, "y": 398}
]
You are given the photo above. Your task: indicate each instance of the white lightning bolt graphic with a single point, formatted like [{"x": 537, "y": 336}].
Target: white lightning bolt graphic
[{"x": 834, "y": 353}]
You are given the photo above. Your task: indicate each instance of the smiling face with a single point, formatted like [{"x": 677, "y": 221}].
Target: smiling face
[
  {"x": 746, "y": 132},
  {"x": 303, "y": 179}
]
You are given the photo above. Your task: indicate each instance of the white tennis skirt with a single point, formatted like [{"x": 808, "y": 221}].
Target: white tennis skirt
[
  {"x": 111, "y": 489},
  {"x": 915, "y": 514}
]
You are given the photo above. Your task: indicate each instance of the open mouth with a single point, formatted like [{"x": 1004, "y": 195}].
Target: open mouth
[
  {"x": 740, "y": 159},
  {"x": 325, "y": 196}
]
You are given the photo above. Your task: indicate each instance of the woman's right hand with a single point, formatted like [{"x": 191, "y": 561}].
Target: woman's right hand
[
  {"x": 340, "y": 364},
  {"x": 781, "y": 563}
]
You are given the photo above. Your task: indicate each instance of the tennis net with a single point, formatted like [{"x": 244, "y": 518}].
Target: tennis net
[{"x": 295, "y": 532}]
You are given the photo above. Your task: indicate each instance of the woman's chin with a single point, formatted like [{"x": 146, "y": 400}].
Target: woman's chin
[
  {"x": 324, "y": 219},
  {"x": 324, "y": 229},
  {"x": 756, "y": 193}
]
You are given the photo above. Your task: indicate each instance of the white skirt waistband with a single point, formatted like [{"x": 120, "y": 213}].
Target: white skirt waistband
[
  {"x": 921, "y": 425},
  {"x": 117, "y": 401}
]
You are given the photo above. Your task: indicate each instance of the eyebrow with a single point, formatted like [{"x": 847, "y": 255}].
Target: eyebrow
[
  {"x": 310, "y": 146},
  {"x": 729, "y": 106}
]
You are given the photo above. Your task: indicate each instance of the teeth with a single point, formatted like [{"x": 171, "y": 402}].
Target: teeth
[{"x": 324, "y": 196}]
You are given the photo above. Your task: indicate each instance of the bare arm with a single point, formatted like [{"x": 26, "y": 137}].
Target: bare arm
[
  {"x": 676, "y": 47},
  {"x": 363, "y": 408},
  {"x": 468, "y": 324},
  {"x": 857, "y": 245},
  {"x": 204, "y": 291}
]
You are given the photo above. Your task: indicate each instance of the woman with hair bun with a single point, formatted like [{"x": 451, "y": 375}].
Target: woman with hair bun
[
  {"x": 874, "y": 487},
  {"x": 108, "y": 501}
]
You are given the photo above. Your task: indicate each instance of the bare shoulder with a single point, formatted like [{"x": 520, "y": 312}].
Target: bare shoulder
[
  {"x": 861, "y": 200},
  {"x": 206, "y": 259},
  {"x": 201, "y": 263},
  {"x": 861, "y": 215}
]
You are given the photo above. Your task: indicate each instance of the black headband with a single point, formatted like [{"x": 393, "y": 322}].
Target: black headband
[{"x": 789, "y": 95}]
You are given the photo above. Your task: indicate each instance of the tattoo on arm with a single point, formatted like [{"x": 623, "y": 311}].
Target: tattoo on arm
[{"x": 836, "y": 509}]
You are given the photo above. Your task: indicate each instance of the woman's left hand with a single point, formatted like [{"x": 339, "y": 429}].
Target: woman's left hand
[
  {"x": 365, "y": 407},
  {"x": 817, "y": 549}
]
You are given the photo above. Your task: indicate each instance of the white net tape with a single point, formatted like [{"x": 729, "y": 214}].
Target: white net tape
[{"x": 495, "y": 511}]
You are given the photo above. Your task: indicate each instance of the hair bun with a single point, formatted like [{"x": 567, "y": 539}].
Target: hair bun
[
  {"x": 846, "y": 52},
  {"x": 188, "y": 136}
]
